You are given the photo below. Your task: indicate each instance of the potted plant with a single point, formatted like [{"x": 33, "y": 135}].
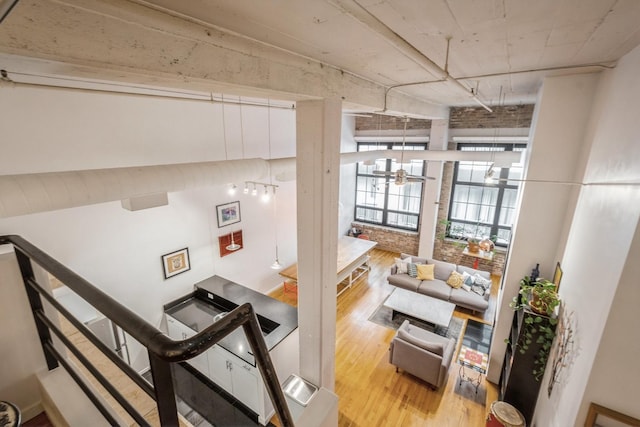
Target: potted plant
[
  {"x": 540, "y": 294},
  {"x": 474, "y": 244},
  {"x": 539, "y": 327}
]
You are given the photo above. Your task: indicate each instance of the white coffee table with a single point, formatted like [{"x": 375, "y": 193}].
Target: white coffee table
[{"x": 422, "y": 307}]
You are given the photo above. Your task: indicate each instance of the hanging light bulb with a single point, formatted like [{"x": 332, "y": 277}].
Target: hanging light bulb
[
  {"x": 233, "y": 246},
  {"x": 488, "y": 176},
  {"x": 276, "y": 264},
  {"x": 266, "y": 196},
  {"x": 246, "y": 188},
  {"x": 232, "y": 189}
]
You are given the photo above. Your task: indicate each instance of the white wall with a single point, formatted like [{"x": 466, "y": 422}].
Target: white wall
[
  {"x": 557, "y": 134},
  {"x": 118, "y": 250},
  {"x": 600, "y": 261},
  {"x": 20, "y": 352}
]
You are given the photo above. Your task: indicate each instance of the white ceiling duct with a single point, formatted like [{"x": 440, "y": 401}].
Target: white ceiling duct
[
  {"x": 40, "y": 192},
  {"x": 30, "y": 193}
]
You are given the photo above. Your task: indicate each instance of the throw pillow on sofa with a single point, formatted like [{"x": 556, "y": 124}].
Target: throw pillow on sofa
[
  {"x": 412, "y": 269},
  {"x": 468, "y": 279},
  {"x": 455, "y": 280},
  {"x": 480, "y": 285},
  {"x": 402, "y": 264},
  {"x": 479, "y": 280},
  {"x": 426, "y": 271}
]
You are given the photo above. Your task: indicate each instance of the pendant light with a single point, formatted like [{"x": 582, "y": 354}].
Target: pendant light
[
  {"x": 233, "y": 246},
  {"x": 276, "y": 264}
]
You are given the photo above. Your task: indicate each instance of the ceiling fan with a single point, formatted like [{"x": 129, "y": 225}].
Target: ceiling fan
[{"x": 401, "y": 176}]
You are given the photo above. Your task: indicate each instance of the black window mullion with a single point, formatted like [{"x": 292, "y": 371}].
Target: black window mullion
[{"x": 385, "y": 211}]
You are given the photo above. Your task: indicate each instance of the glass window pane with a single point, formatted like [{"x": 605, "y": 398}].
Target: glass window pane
[
  {"x": 474, "y": 210},
  {"x": 504, "y": 236},
  {"x": 509, "y": 198},
  {"x": 369, "y": 215},
  {"x": 403, "y": 220},
  {"x": 464, "y": 171}
]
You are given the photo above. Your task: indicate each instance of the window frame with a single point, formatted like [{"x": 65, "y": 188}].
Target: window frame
[
  {"x": 502, "y": 185},
  {"x": 389, "y": 145}
]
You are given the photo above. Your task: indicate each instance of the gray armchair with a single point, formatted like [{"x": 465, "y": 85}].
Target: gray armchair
[{"x": 422, "y": 353}]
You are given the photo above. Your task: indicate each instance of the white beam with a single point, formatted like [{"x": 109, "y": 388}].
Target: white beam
[{"x": 126, "y": 42}]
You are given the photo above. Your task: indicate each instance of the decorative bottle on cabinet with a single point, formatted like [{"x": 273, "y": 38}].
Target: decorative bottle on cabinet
[{"x": 522, "y": 371}]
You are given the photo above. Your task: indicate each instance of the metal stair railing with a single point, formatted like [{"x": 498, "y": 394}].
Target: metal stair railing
[{"x": 161, "y": 349}]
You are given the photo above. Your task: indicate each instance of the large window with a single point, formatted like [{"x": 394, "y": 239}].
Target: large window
[
  {"x": 484, "y": 209},
  {"x": 378, "y": 199}
]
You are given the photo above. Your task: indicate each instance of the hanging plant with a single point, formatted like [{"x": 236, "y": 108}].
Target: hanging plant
[{"x": 540, "y": 326}]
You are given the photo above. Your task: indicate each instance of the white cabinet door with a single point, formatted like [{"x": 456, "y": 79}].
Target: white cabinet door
[
  {"x": 246, "y": 386},
  {"x": 220, "y": 368},
  {"x": 179, "y": 331}
]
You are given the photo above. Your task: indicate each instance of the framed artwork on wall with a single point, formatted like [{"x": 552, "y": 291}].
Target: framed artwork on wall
[
  {"x": 557, "y": 276},
  {"x": 176, "y": 262},
  {"x": 228, "y": 213},
  {"x": 599, "y": 416}
]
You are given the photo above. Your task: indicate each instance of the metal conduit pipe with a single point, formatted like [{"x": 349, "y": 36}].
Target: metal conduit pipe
[
  {"x": 354, "y": 9},
  {"x": 5, "y": 8}
]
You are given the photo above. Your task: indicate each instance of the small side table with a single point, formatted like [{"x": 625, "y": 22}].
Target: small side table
[
  {"x": 9, "y": 414},
  {"x": 487, "y": 256},
  {"x": 475, "y": 360}
]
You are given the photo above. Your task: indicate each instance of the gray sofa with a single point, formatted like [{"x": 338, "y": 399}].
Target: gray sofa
[
  {"x": 422, "y": 353},
  {"x": 474, "y": 299}
]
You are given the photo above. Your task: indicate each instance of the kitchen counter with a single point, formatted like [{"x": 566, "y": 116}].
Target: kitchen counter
[{"x": 216, "y": 295}]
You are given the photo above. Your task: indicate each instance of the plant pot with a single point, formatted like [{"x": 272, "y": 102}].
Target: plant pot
[
  {"x": 473, "y": 247},
  {"x": 540, "y": 305}
]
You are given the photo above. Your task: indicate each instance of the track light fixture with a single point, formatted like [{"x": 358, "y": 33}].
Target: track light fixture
[
  {"x": 232, "y": 189},
  {"x": 269, "y": 189},
  {"x": 246, "y": 188}
]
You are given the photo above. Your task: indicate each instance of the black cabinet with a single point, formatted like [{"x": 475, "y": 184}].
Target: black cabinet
[{"x": 518, "y": 385}]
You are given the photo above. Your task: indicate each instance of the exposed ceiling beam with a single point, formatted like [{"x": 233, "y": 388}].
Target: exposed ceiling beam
[{"x": 127, "y": 42}]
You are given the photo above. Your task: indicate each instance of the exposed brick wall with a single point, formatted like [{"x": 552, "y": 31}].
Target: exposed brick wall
[
  {"x": 451, "y": 251},
  {"x": 390, "y": 240},
  {"x": 508, "y": 116},
  {"x": 382, "y": 122}
]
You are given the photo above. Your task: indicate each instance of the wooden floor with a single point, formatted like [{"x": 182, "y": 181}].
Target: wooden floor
[{"x": 371, "y": 392}]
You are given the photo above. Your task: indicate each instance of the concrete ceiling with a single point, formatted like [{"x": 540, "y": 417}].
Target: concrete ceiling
[{"x": 357, "y": 49}]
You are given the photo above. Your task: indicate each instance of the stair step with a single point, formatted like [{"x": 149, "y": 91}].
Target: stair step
[{"x": 66, "y": 404}]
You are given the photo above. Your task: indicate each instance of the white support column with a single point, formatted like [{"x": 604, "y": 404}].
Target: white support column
[
  {"x": 438, "y": 140},
  {"x": 318, "y": 174}
]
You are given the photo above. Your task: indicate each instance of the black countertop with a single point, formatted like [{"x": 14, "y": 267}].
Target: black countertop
[{"x": 216, "y": 294}]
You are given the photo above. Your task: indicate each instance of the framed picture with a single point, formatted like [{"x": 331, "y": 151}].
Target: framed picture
[
  {"x": 557, "y": 276},
  {"x": 176, "y": 262},
  {"x": 228, "y": 214},
  {"x": 599, "y": 416}
]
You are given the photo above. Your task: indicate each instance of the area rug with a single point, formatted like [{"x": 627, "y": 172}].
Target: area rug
[
  {"x": 473, "y": 353},
  {"x": 382, "y": 316}
]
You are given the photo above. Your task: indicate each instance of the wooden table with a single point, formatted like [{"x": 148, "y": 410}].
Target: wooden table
[
  {"x": 487, "y": 256},
  {"x": 352, "y": 255}
]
